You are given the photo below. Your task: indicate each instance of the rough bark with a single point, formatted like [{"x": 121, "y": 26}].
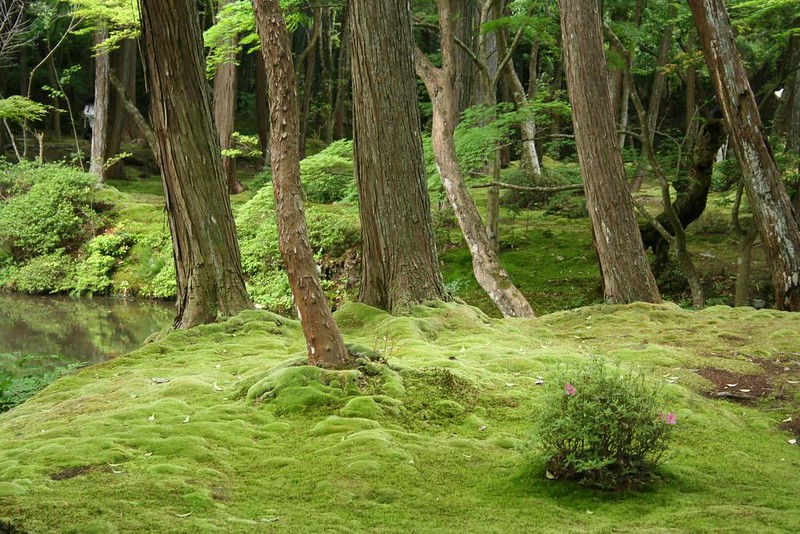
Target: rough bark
[
  {"x": 527, "y": 128},
  {"x": 207, "y": 262},
  {"x": 626, "y": 274},
  {"x": 323, "y": 340},
  {"x": 262, "y": 110},
  {"x": 224, "y": 100},
  {"x": 100, "y": 125},
  {"x": 769, "y": 201},
  {"x": 399, "y": 263},
  {"x": 744, "y": 261},
  {"x": 439, "y": 82}
]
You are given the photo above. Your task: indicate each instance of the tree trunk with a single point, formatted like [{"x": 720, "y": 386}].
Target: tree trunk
[
  {"x": 692, "y": 193},
  {"x": 323, "y": 339},
  {"x": 744, "y": 261},
  {"x": 527, "y": 128},
  {"x": 659, "y": 77},
  {"x": 225, "y": 112},
  {"x": 207, "y": 262},
  {"x": 100, "y": 125},
  {"x": 626, "y": 275},
  {"x": 439, "y": 82},
  {"x": 120, "y": 62},
  {"x": 342, "y": 82},
  {"x": 56, "y": 111},
  {"x": 308, "y": 79},
  {"x": 768, "y": 199},
  {"x": 262, "y": 111},
  {"x": 400, "y": 267}
]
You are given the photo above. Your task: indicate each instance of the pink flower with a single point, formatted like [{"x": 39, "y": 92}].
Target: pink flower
[
  {"x": 669, "y": 419},
  {"x": 569, "y": 389}
]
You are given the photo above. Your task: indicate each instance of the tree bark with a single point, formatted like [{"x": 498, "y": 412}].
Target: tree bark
[
  {"x": 769, "y": 201},
  {"x": 439, "y": 82},
  {"x": 626, "y": 275},
  {"x": 100, "y": 125},
  {"x": 323, "y": 340},
  {"x": 399, "y": 263},
  {"x": 120, "y": 62},
  {"x": 207, "y": 261},
  {"x": 262, "y": 110},
  {"x": 225, "y": 112}
]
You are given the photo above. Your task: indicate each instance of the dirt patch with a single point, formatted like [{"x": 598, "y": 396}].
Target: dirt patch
[
  {"x": 736, "y": 386},
  {"x": 792, "y": 425},
  {"x": 780, "y": 380},
  {"x": 72, "y": 472}
]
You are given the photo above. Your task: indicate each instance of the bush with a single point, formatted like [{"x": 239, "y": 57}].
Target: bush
[
  {"x": 51, "y": 273},
  {"x": 603, "y": 427},
  {"x": 52, "y": 209}
]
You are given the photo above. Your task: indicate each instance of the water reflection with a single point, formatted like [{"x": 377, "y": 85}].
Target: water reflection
[{"x": 79, "y": 330}]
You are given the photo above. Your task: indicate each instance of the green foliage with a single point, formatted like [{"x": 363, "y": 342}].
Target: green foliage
[
  {"x": 49, "y": 273},
  {"x": 603, "y": 427},
  {"x": 482, "y": 130},
  {"x": 119, "y": 18},
  {"x": 245, "y": 146},
  {"x": 18, "y": 386},
  {"x": 17, "y": 108},
  {"x": 272, "y": 291},
  {"x": 53, "y": 209},
  {"x": 328, "y": 176}
]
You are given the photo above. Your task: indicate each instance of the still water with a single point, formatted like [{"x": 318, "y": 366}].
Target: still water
[{"x": 78, "y": 329}]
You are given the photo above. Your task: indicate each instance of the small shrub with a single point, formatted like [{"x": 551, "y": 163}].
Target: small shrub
[
  {"x": 567, "y": 204},
  {"x": 52, "y": 209},
  {"x": 603, "y": 427},
  {"x": 52, "y": 273}
]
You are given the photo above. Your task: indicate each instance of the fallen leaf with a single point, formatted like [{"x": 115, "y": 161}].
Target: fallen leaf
[
  {"x": 186, "y": 420},
  {"x": 218, "y": 365},
  {"x": 270, "y": 519},
  {"x": 187, "y": 514},
  {"x": 745, "y": 390},
  {"x": 787, "y": 420},
  {"x": 148, "y": 454},
  {"x": 793, "y": 381},
  {"x": 152, "y": 417},
  {"x": 117, "y": 472},
  {"x": 792, "y": 442},
  {"x": 216, "y": 387},
  {"x": 549, "y": 476},
  {"x": 160, "y": 380},
  {"x": 482, "y": 428},
  {"x": 731, "y": 385}
]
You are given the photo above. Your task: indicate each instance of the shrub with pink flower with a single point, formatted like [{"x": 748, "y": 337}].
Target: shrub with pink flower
[{"x": 612, "y": 435}]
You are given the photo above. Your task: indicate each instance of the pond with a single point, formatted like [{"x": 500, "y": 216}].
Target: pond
[{"x": 78, "y": 329}]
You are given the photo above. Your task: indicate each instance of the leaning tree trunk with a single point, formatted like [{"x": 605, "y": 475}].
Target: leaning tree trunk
[
  {"x": 771, "y": 207},
  {"x": 323, "y": 339},
  {"x": 399, "y": 265},
  {"x": 626, "y": 274},
  {"x": 439, "y": 82},
  {"x": 207, "y": 262},
  {"x": 225, "y": 116}
]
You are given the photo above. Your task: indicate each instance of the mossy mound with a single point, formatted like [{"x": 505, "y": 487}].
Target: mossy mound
[{"x": 223, "y": 428}]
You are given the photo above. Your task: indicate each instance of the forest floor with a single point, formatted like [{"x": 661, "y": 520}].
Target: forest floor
[{"x": 222, "y": 429}]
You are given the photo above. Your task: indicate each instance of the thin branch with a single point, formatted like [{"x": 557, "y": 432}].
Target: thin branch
[{"x": 537, "y": 189}]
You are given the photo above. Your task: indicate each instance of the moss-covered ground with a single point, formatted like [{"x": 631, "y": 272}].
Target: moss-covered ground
[{"x": 221, "y": 429}]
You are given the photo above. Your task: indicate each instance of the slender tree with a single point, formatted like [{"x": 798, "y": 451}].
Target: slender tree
[
  {"x": 207, "y": 262},
  {"x": 398, "y": 251},
  {"x": 439, "y": 82},
  {"x": 323, "y": 340},
  {"x": 225, "y": 110},
  {"x": 626, "y": 274},
  {"x": 769, "y": 201}
]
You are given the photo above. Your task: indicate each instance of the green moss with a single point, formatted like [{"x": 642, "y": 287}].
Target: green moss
[{"x": 420, "y": 441}]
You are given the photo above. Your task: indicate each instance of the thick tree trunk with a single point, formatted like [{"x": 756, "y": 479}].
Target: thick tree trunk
[
  {"x": 626, "y": 274},
  {"x": 400, "y": 267},
  {"x": 100, "y": 125},
  {"x": 439, "y": 82},
  {"x": 771, "y": 207},
  {"x": 207, "y": 262},
  {"x": 225, "y": 113},
  {"x": 323, "y": 339}
]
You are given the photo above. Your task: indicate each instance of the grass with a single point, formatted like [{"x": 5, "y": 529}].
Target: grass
[{"x": 217, "y": 429}]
